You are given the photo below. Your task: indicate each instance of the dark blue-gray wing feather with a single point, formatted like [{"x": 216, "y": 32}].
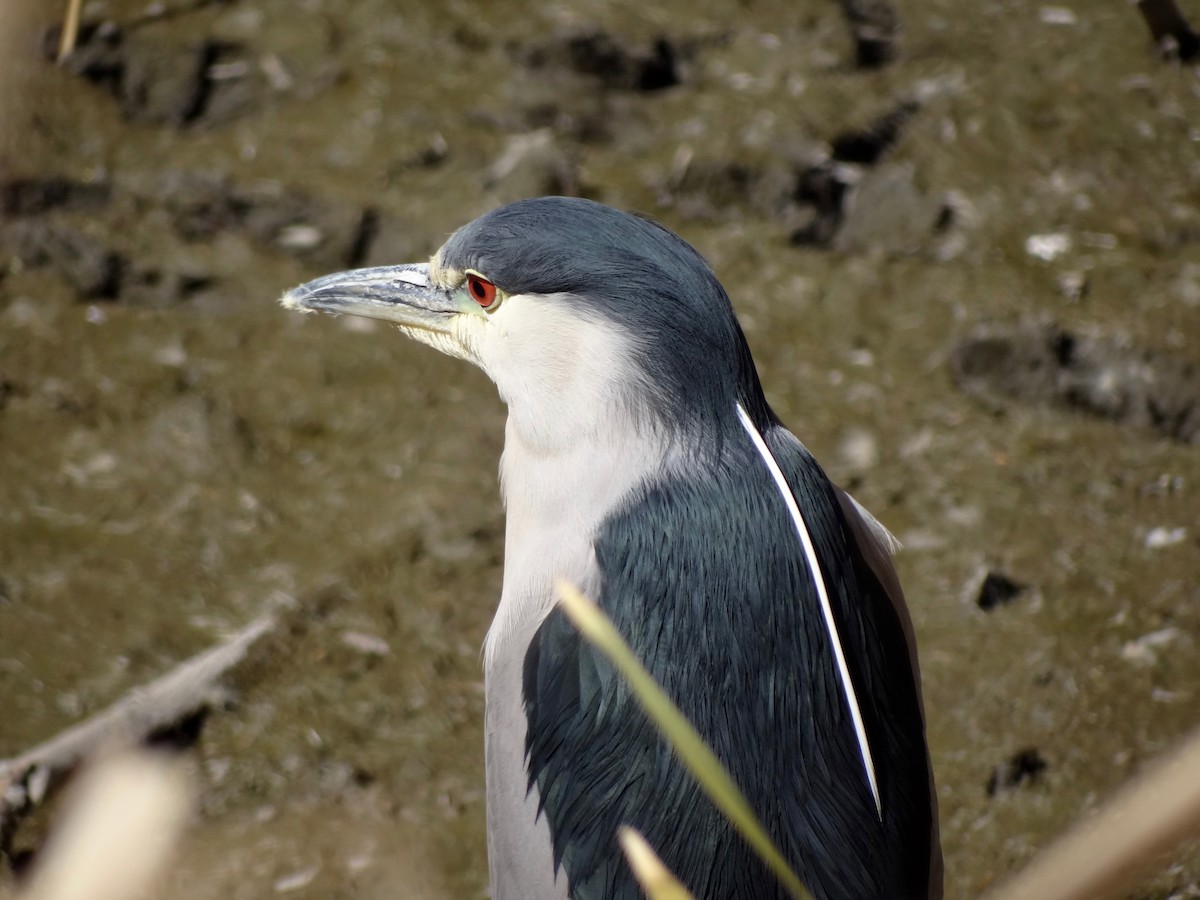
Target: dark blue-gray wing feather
[{"x": 704, "y": 576}]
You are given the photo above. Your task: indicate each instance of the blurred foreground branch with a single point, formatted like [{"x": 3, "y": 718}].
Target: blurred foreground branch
[
  {"x": 27, "y": 780},
  {"x": 1098, "y": 857}
]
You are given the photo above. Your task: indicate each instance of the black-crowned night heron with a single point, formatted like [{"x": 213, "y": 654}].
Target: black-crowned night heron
[{"x": 642, "y": 463}]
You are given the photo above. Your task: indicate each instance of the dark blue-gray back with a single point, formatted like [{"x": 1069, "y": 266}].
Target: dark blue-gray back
[{"x": 705, "y": 578}]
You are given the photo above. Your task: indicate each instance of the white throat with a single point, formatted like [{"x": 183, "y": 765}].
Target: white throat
[
  {"x": 560, "y": 371},
  {"x": 555, "y": 503},
  {"x": 574, "y": 450}
]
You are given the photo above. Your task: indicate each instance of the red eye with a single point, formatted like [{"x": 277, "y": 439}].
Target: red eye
[{"x": 482, "y": 290}]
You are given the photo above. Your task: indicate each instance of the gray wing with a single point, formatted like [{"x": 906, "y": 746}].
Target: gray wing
[{"x": 878, "y": 545}]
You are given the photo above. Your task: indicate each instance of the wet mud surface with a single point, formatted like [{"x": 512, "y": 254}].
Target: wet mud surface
[{"x": 964, "y": 243}]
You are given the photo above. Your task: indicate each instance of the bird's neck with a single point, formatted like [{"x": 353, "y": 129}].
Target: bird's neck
[{"x": 556, "y": 496}]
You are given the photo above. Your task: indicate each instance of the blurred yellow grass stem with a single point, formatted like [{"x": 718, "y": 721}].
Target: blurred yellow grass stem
[
  {"x": 70, "y": 30},
  {"x": 655, "y": 878},
  {"x": 120, "y": 826},
  {"x": 680, "y": 734}
]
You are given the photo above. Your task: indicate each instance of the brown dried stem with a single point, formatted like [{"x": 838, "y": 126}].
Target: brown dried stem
[{"x": 26, "y": 780}]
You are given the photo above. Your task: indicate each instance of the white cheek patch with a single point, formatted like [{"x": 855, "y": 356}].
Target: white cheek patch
[{"x": 554, "y": 366}]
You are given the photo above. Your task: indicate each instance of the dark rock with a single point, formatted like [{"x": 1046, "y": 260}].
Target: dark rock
[
  {"x": 154, "y": 81},
  {"x": 614, "y": 63},
  {"x": 587, "y": 85},
  {"x": 601, "y": 55},
  {"x": 998, "y": 589},
  {"x": 709, "y": 190},
  {"x": 364, "y": 236},
  {"x": 390, "y": 241},
  {"x": 659, "y": 69},
  {"x": 99, "y": 55},
  {"x": 853, "y": 209},
  {"x": 156, "y": 289},
  {"x": 586, "y": 117},
  {"x": 179, "y": 735},
  {"x": 84, "y": 262},
  {"x": 203, "y": 204},
  {"x": 867, "y": 145},
  {"x": 200, "y": 85},
  {"x": 1024, "y": 766},
  {"x": 234, "y": 85},
  {"x": 853, "y": 203},
  {"x": 433, "y": 154},
  {"x": 532, "y": 165},
  {"x": 886, "y": 210},
  {"x": 822, "y": 188},
  {"x": 197, "y": 84},
  {"x": 875, "y": 27},
  {"x": 163, "y": 82},
  {"x": 329, "y": 236},
  {"x": 1046, "y": 365},
  {"x": 32, "y": 196},
  {"x": 9, "y": 389}
]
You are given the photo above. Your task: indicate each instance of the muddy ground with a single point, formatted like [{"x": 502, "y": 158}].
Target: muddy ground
[{"x": 970, "y": 277}]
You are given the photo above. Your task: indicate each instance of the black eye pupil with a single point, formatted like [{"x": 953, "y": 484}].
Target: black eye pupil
[{"x": 478, "y": 289}]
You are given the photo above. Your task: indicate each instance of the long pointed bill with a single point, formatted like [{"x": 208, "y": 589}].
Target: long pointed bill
[{"x": 400, "y": 294}]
